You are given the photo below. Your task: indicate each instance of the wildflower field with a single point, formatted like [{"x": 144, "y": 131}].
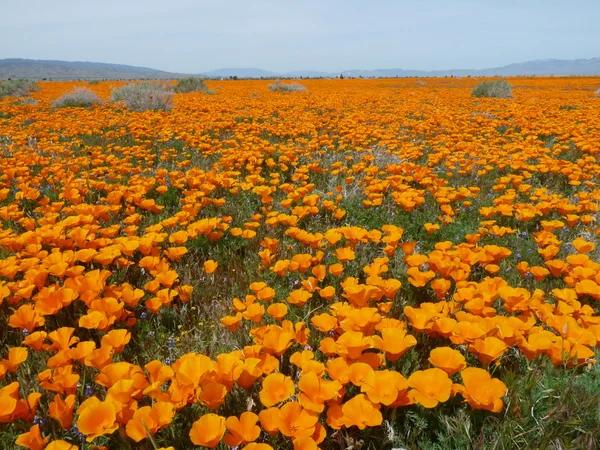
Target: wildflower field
[{"x": 365, "y": 264}]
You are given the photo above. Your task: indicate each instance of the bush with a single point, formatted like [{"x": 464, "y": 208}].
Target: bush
[
  {"x": 78, "y": 97},
  {"x": 493, "y": 89},
  {"x": 192, "y": 84},
  {"x": 278, "y": 86},
  {"x": 19, "y": 87},
  {"x": 144, "y": 96}
]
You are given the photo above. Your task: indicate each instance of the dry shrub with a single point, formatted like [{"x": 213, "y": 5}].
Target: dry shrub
[
  {"x": 278, "y": 86},
  {"x": 78, "y": 97},
  {"x": 19, "y": 87},
  {"x": 493, "y": 89},
  {"x": 144, "y": 96},
  {"x": 192, "y": 84}
]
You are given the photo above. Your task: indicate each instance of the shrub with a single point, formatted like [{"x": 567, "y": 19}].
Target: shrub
[
  {"x": 78, "y": 97},
  {"x": 192, "y": 84},
  {"x": 278, "y": 86},
  {"x": 144, "y": 96},
  {"x": 493, "y": 89},
  {"x": 93, "y": 82},
  {"x": 19, "y": 87},
  {"x": 26, "y": 101}
]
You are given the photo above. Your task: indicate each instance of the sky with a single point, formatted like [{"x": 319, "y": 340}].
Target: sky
[{"x": 192, "y": 36}]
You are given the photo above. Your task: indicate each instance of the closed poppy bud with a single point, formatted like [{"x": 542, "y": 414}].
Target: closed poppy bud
[{"x": 210, "y": 266}]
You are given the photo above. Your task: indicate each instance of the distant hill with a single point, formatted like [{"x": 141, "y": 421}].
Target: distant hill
[
  {"x": 240, "y": 72},
  {"x": 542, "y": 67},
  {"x": 37, "y": 69}
]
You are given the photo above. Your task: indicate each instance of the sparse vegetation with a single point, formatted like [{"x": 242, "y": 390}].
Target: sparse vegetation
[
  {"x": 78, "y": 97},
  {"x": 18, "y": 88},
  {"x": 493, "y": 89},
  {"x": 278, "y": 86},
  {"x": 144, "y": 96},
  {"x": 192, "y": 84}
]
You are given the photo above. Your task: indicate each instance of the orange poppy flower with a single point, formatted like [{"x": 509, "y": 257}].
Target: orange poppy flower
[
  {"x": 60, "y": 445},
  {"x": 149, "y": 419},
  {"x": 360, "y": 412},
  {"x": 384, "y": 386},
  {"x": 488, "y": 349},
  {"x": 430, "y": 387},
  {"x": 208, "y": 430},
  {"x": 242, "y": 430},
  {"x": 62, "y": 410},
  {"x": 482, "y": 391},
  {"x": 295, "y": 421},
  {"x": 96, "y": 418},
  {"x": 276, "y": 389},
  {"x": 449, "y": 360},
  {"x": 32, "y": 439}
]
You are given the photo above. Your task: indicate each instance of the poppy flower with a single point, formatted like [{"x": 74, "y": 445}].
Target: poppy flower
[
  {"x": 242, "y": 430},
  {"x": 60, "y": 445},
  {"x": 149, "y": 419},
  {"x": 62, "y": 410},
  {"x": 276, "y": 388},
  {"x": 384, "y": 386},
  {"x": 96, "y": 418},
  {"x": 449, "y": 360},
  {"x": 210, "y": 266},
  {"x": 488, "y": 349},
  {"x": 208, "y": 430},
  {"x": 482, "y": 391},
  {"x": 32, "y": 439},
  {"x": 430, "y": 387},
  {"x": 269, "y": 420},
  {"x": 360, "y": 412},
  {"x": 295, "y": 421}
]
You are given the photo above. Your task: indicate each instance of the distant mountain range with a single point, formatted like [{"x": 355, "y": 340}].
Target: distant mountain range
[{"x": 39, "y": 69}]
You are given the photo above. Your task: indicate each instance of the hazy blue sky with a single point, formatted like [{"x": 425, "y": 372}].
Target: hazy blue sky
[{"x": 334, "y": 35}]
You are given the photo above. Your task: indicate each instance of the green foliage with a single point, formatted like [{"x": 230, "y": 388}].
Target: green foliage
[
  {"x": 144, "y": 96},
  {"x": 493, "y": 89},
  {"x": 78, "y": 97},
  {"x": 192, "y": 84},
  {"x": 19, "y": 87}
]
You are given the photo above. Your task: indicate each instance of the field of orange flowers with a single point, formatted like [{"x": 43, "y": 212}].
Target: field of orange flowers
[{"x": 367, "y": 264}]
